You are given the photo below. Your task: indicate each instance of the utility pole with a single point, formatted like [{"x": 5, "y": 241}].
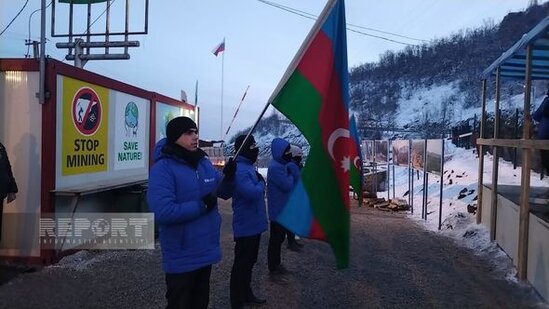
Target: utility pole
[{"x": 42, "y": 86}]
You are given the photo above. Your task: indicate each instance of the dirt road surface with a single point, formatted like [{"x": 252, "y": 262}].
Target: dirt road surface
[{"x": 395, "y": 263}]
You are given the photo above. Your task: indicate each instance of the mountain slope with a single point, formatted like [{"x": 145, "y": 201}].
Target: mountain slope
[{"x": 423, "y": 91}]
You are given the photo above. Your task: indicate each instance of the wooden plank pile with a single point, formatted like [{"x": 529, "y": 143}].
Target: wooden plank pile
[{"x": 396, "y": 204}]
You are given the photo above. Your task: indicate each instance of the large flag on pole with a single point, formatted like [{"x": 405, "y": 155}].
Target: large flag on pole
[
  {"x": 357, "y": 177},
  {"x": 219, "y": 48},
  {"x": 314, "y": 95}
]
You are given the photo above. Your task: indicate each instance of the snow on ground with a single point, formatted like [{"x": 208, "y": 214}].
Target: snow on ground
[
  {"x": 460, "y": 174},
  {"x": 417, "y": 101},
  {"x": 462, "y": 169}
]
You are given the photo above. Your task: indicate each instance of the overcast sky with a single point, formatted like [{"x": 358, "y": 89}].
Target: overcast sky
[{"x": 261, "y": 40}]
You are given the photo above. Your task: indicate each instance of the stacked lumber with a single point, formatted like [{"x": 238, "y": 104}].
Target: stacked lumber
[{"x": 395, "y": 204}]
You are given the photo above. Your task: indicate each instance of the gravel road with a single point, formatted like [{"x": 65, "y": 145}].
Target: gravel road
[{"x": 395, "y": 263}]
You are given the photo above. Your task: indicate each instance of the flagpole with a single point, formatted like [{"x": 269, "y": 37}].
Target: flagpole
[
  {"x": 196, "y": 93},
  {"x": 316, "y": 27},
  {"x": 222, "y": 74},
  {"x": 308, "y": 40},
  {"x": 236, "y": 112}
]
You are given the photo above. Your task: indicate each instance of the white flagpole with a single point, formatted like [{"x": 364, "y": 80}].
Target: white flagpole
[
  {"x": 316, "y": 27},
  {"x": 222, "y": 71},
  {"x": 235, "y": 113}
]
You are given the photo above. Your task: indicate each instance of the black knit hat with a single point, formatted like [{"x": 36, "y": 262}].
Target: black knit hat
[
  {"x": 178, "y": 126},
  {"x": 239, "y": 141}
]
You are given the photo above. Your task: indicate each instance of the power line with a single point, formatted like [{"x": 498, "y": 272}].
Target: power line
[
  {"x": 311, "y": 16},
  {"x": 314, "y": 17},
  {"x": 21, "y": 10},
  {"x": 379, "y": 37},
  {"x": 386, "y": 32}
]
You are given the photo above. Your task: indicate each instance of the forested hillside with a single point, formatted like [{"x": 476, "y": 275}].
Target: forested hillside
[
  {"x": 379, "y": 89},
  {"x": 423, "y": 91}
]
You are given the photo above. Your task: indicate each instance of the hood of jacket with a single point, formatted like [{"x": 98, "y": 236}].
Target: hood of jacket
[{"x": 278, "y": 146}]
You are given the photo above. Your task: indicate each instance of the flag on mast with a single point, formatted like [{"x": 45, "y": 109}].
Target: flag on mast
[
  {"x": 219, "y": 48},
  {"x": 314, "y": 95}
]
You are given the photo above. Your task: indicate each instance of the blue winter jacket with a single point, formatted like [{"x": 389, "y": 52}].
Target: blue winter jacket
[
  {"x": 249, "y": 214},
  {"x": 189, "y": 235},
  {"x": 543, "y": 128},
  {"x": 281, "y": 178}
]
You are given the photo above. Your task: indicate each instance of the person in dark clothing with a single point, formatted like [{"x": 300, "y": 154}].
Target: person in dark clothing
[
  {"x": 541, "y": 115},
  {"x": 183, "y": 191},
  {"x": 8, "y": 186},
  {"x": 282, "y": 176},
  {"x": 297, "y": 157},
  {"x": 249, "y": 221}
]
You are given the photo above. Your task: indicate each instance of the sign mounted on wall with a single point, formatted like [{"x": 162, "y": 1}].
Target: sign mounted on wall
[
  {"x": 84, "y": 136},
  {"x": 102, "y": 135},
  {"x": 131, "y": 126}
]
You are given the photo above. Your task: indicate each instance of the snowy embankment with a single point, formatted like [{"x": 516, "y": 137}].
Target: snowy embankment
[{"x": 460, "y": 188}]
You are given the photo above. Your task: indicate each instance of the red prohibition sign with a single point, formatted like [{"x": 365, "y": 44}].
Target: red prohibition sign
[{"x": 86, "y": 111}]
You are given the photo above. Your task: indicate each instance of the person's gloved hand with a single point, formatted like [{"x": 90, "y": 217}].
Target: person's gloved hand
[
  {"x": 260, "y": 177},
  {"x": 11, "y": 197},
  {"x": 230, "y": 169},
  {"x": 293, "y": 169},
  {"x": 210, "y": 200}
]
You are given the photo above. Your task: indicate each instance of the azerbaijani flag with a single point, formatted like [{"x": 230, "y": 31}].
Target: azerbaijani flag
[
  {"x": 357, "y": 177},
  {"x": 314, "y": 95},
  {"x": 219, "y": 48}
]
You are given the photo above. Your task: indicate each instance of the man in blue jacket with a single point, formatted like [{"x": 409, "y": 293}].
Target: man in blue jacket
[
  {"x": 249, "y": 221},
  {"x": 183, "y": 190},
  {"x": 541, "y": 115},
  {"x": 282, "y": 176}
]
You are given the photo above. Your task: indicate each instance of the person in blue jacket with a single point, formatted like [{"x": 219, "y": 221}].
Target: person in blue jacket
[
  {"x": 183, "y": 196},
  {"x": 8, "y": 186},
  {"x": 541, "y": 115},
  {"x": 282, "y": 175},
  {"x": 249, "y": 221}
]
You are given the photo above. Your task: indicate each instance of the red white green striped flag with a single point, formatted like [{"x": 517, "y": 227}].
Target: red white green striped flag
[{"x": 314, "y": 95}]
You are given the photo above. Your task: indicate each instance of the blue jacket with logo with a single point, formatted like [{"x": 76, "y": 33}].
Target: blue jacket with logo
[
  {"x": 249, "y": 214},
  {"x": 189, "y": 235},
  {"x": 281, "y": 178}
]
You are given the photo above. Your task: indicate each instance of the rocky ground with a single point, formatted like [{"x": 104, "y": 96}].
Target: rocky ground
[{"x": 394, "y": 264}]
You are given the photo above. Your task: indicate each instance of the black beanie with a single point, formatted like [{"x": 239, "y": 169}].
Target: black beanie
[
  {"x": 178, "y": 126},
  {"x": 239, "y": 141}
]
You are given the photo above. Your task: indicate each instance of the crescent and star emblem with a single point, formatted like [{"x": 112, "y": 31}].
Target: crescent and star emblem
[
  {"x": 356, "y": 161},
  {"x": 337, "y": 133}
]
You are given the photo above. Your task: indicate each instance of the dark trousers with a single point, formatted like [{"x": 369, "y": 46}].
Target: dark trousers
[
  {"x": 189, "y": 290},
  {"x": 277, "y": 235},
  {"x": 245, "y": 256},
  {"x": 290, "y": 236},
  {"x": 1, "y": 211}
]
